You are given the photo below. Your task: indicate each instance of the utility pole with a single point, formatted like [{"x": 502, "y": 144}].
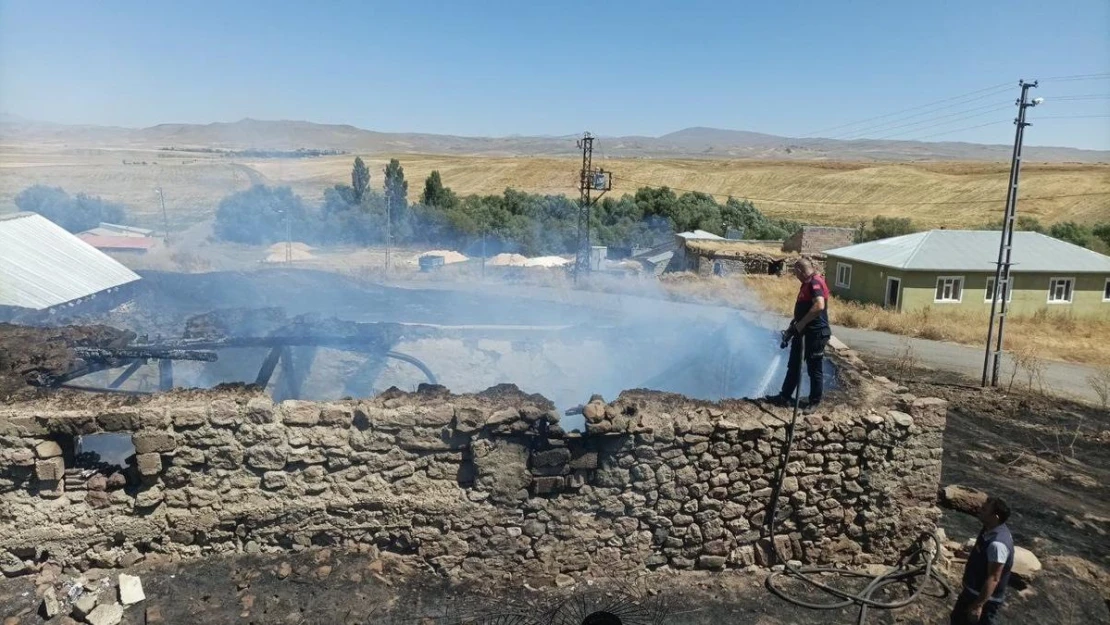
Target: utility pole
[
  {"x": 1002, "y": 287},
  {"x": 165, "y": 219},
  {"x": 589, "y": 180}
]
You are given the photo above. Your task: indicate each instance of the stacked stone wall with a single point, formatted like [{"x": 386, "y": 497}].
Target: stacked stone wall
[{"x": 469, "y": 483}]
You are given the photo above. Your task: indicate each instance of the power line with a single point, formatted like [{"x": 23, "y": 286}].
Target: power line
[
  {"x": 951, "y": 121},
  {"x": 1078, "y": 77},
  {"x": 1070, "y": 117},
  {"x": 929, "y": 120},
  {"x": 993, "y": 88},
  {"x": 888, "y": 125},
  {"x": 955, "y": 130},
  {"x": 834, "y": 203},
  {"x": 1070, "y": 98}
]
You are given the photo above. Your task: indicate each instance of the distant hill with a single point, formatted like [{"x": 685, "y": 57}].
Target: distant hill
[{"x": 690, "y": 142}]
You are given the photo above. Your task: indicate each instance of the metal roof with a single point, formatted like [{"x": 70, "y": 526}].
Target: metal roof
[
  {"x": 700, "y": 235},
  {"x": 116, "y": 242},
  {"x": 975, "y": 251},
  {"x": 42, "y": 265}
]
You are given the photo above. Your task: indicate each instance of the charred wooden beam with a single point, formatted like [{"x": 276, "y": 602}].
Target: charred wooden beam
[{"x": 128, "y": 353}]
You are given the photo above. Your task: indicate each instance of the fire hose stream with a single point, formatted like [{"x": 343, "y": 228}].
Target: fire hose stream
[{"x": 914, "y": 563}]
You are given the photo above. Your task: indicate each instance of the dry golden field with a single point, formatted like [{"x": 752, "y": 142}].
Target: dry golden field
[{"x": 818, "y": 192}]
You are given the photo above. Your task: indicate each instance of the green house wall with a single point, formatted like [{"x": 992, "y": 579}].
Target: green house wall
[{"x": 918, "y": 290}]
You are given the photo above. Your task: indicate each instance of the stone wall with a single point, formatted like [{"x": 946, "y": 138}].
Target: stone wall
[
  {"x": 818, "y": 239},
  {"x": 469, "y": 483}
]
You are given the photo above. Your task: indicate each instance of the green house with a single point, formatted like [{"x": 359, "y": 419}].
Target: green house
[{"x": 954, "y": 269}]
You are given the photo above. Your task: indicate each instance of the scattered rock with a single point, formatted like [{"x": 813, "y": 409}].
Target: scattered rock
[
  {"x": 85, "y": 604},
  {"x": 50, "y": 605},
  {"x": 106, "y": 614},
  {"x": 962, "y": 498},
  {"x": 562, "y": 580},
  {"x": 284, "y": 570},
  {"x": 323, "y": 572},
  {"x": 130, "y": 589},
  {"x": 1025, "y": 563},
  {"x": 154, "y": 615}
]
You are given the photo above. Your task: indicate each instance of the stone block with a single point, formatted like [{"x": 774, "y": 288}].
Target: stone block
[
  {"x": 295, "y": 412},
  {"x": 149, "y": 442},
  {"x": 712, "y": 563},
  {"x": 259, "y": 410},
  {"x": 148, "y": 464},
  {"x": 188, "y": 415},
  {"x": 48, "y": 449},
  {"x": 149, "y": 498},
  {"x": 339, "y": 415},
  {"x": 551, "y": 457},
  {"x": 223, "y": 412},
  {"x": 547, "y": 485},
  {"x": 267, "y": 457},
  {"x": 50, "y": 470}
]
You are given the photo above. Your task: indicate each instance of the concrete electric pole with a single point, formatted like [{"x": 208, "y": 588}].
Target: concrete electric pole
[{"x": 1002, "y": 287}]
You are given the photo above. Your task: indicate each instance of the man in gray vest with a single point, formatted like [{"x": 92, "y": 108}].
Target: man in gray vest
[{"x": 987, "y": 570}]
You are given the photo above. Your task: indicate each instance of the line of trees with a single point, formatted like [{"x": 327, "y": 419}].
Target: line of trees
[
  {"x": 512, "y": 221},
  {"x": 74, "y": 213}
]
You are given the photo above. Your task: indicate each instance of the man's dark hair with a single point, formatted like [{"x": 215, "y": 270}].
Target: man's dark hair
[{"x": 1000, "y": 508}]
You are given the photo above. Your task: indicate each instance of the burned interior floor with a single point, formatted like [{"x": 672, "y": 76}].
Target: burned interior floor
[{"x": 445, "y": 488}]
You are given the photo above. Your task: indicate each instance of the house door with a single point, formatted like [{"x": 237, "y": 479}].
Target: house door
[{"x": 893, "y": 289}]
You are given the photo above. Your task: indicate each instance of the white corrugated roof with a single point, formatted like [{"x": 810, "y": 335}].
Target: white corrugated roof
[
  {"x": 42, "y": 265},
  {"x": 700, "y": 234},
  {"x": 974, "y": 250}
]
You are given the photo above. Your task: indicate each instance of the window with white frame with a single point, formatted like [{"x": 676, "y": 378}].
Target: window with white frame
[
  {"x": 1060, "y": 290},
  {"x": 989, "y": 293},
  {"x": 843, "y": 275},
  {"x": 1106, "y": 291},
  {"x": 950, "y": 289}
]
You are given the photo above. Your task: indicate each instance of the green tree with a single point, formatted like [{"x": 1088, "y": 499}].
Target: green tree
[
  {"x": 360, "y": 179},
  {"x": 75, "y": 214},
  {"x": 259, "y": 215},
  {"x": 437, "y": 195},
  {"x": 1071, "y": 232},
  {"x": 1102, "y": 233},
  {"x": 886, "y": 227},
  {"x": 396, "y": 199},
  {"x": 1024, "y": 222}
]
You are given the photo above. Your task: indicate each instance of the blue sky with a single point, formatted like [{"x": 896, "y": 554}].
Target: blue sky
[{"x": 614, "y": 68}]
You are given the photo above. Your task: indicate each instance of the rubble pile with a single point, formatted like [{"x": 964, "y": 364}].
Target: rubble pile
[
  {"x": 471, "y": 484},
  {"x": 96, "y": 601}
]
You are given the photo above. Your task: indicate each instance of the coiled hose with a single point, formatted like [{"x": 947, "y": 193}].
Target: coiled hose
[{"x": 915, "y": 563}]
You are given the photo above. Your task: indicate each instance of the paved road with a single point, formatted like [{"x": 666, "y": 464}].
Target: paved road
[{"x": 1059, "y": 378}]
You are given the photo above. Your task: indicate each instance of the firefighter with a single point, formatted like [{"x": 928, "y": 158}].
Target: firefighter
[{"x": 808, "y": 334}]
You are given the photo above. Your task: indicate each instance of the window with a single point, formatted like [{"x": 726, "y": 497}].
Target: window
[
  {"x": 950, "y": 289},
  {"x": 1106, "y": 291},
  {"x": 989, "y": 294},
  {"x": 843, "y": 275},
  {"x": 1059, "y": 290}
]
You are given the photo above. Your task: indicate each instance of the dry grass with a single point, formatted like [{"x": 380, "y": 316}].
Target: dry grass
[
  {"x": 1041, "y": 336},
  {"x": 195, "y": 183}
]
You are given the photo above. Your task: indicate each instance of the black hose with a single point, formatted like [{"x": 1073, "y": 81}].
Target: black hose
[{"x": 913, "y": 564}]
